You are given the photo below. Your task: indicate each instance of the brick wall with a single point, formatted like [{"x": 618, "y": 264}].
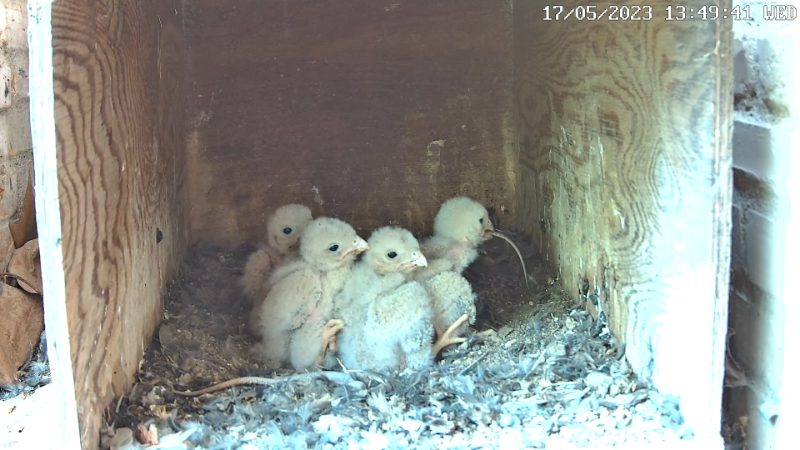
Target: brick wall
[
  {"x": 16, "y": 152},
  {"x": 764, "y": 118}
]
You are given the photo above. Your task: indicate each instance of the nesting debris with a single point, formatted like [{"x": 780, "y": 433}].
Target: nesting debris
[
  {"x": 32, "y": 375},
  {"x": 495, "y": 278},
  {"x": 735, "y": 431},
  {"x": 736, "y": 425},
  {"x": 551, "y": 377}
]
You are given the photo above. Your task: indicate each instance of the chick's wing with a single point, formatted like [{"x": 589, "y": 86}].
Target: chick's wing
[{"x": 294, "y": 296}]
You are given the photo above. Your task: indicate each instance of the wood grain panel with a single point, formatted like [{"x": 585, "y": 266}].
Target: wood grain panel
[
  {"x": 385, "y": 109},
  {"x": 624, "y": 135},
  {"x": 118, "y": 74}
]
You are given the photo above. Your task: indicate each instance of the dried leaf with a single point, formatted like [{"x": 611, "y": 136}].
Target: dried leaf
[
  {"x": 25, "y": 264},
  {"x": 21, "y": 325}
]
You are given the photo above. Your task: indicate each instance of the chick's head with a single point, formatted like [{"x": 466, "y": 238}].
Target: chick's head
[
  {"x": 393, "y": 249},
  {"x": 464, "y": 220},
  {"x": 329, "y": 243},
  {"x": 285, "y": 226}
]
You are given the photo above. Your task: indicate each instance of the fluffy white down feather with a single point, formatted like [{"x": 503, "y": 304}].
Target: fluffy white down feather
[
  {"x": 387, "y": 322},
  {"x": 446, "y": 254},
  {"x": 451, "y": 297}
]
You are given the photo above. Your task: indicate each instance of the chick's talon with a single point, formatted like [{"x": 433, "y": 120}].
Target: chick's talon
[
  {"x": 329, "y": 332},
  {"x": 446, "y": 338}
]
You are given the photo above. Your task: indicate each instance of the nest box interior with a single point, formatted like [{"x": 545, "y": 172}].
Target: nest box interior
[{"x": 160, "y": 124}]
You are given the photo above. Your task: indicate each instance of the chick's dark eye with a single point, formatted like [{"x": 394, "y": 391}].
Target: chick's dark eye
[
  {"x": 392, "y": 255},
  {"x": 333, "y": 247},
  {"x": 481, "y": 220},
  {"x": 287, "y": 230}
]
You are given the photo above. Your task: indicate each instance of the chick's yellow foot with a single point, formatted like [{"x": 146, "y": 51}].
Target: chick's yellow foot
[
  {"x": 446, "y": 338},
  {"x": 329, "y": 339},
  {"x": 329, "y": 332}
]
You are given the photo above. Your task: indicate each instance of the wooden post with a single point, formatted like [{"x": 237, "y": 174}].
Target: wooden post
[
  {"x": 108, "y": 137},
  {"x": 624, "y": 129},
  {"x": 789, "y": 395},
  {"x": 48, "y": 218}
]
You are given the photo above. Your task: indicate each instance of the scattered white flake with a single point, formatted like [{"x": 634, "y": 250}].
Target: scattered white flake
[{"x": 376, "y": 441}]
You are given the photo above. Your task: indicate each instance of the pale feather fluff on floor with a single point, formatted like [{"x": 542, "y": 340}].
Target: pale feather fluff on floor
[{"x": 554, "y": 378}]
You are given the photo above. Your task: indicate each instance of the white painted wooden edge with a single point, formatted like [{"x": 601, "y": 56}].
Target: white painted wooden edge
[
  {"x": 48, "y": 221},
  {"x": 789, "y": 393}
]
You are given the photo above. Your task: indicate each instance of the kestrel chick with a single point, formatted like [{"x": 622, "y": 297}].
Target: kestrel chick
[
  {"x": 295, "y": 318},
  {"x": 387, "y": 316},
  {"x": 284, "y": 227}
]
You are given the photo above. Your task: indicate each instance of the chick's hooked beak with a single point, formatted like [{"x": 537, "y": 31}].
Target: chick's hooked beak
[
  {"x": 416, "y": 260},
  {"x": 359, "y": 246},
  {"x": 488, "y": 230},
  {"x": 486, "y": 233}
]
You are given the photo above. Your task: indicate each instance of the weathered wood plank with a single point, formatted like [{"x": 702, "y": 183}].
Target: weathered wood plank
[
  {"x": 789, "y": 395},
  {"x": 116, "y": 95},
  {"x": 48, "y": 220},
  {"x": 348, "y": 98},
  {"x": 624, "y": 135}
]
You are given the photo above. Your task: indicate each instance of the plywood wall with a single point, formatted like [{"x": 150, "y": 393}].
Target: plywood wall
[
  {"x": 624, "y": 131},
  {"x": 117, "y": 74},
  {"x": 370, "y": 111}
]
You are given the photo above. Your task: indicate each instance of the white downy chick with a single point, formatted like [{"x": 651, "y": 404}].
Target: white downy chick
[
  {"x": 387, "y": 317},
  {"x": 284, "y": 227},
  {"x": 453, "y": 304},
  {"x": 295, "y": 318},
  {"x": 460, "y": 226}
]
